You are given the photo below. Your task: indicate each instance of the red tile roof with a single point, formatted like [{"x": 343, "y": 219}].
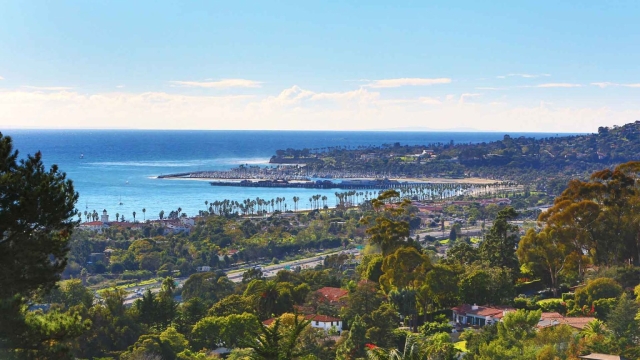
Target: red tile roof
[
  {"x": 495, "y": 312},
  {"x": 553, "y": 318},
  {"x": 333, "y": 294},
  {"x": 92, "y": 223}
]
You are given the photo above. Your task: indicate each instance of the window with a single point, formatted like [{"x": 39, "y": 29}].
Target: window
[{"x": 317, "y": 323}]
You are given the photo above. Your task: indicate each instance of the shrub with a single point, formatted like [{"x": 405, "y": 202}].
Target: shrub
[
  {"x": 601, "y": 288},
  {"x": 553, "y": 305},
  {"x": 568, "y": 296},
  {"x": 137, "y": 275},
  {"x": 431, "y": 328},
  {"x": 525, "y": 303},
  {"x": 604, "y": 306}
]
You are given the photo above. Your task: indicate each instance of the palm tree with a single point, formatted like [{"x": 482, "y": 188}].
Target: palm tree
[
  {"x": 273, "y": 344},
  {"x": 134, "y": 216},
  {"x": 117, "y": 216},
  {"x": 594, "y": 328},
  {"x": 411, "y": 351},
  {"x": 144, "y": 215}
]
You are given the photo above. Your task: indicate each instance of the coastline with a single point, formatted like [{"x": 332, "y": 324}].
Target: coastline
[{"x": 472, "y": 180}]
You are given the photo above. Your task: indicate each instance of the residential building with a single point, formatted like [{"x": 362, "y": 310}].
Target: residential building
[
  {"x": 333, "y": 295},
  {"x": 323, "y": 322},
  {"x": 474, "y": 315}
]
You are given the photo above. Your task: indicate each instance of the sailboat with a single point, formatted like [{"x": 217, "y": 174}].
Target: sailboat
[{"x": 81, "y": 156}]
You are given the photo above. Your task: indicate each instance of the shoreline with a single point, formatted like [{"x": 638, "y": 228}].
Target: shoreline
[{"x": 473, "y": 180}]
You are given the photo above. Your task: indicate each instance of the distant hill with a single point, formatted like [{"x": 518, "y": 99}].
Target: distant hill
[{"x": 524, "y": 159}]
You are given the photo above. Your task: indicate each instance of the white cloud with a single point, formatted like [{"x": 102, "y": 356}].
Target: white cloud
[
  {"x": 393, "y": 83},
  {"x": 489, "y": 88},
  {"x": 603, "y": 85},
  {"x": 1, "y": 78},
  {"x": 558, "y": 85},
  {"x": 429, "y": 100},
  {"x": 220, "y": 84},
  {"x": 466, "y": 96},
  {"x": 296, "y": 108},
  {"x": 48, "y": 88},
  {"x": 501, "y": 77},
  {"x": 529, "y": 76},
  {"x": 120, "y": 86}
]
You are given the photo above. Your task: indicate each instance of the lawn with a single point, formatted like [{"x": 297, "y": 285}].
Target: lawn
[{"x": 461, "y": 345}]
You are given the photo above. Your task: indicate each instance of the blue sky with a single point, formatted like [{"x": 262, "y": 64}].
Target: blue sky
[{"x": 525, "y": 66}]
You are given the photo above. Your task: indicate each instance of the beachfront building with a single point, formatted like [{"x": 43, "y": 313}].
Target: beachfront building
[{"x": 97, "y": 226}]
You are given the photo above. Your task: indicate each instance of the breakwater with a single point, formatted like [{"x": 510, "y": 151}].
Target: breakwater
[{"x": 378, "y": 184}]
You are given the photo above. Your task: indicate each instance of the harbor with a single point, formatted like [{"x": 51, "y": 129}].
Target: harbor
[{"x": 375, "y": 184}]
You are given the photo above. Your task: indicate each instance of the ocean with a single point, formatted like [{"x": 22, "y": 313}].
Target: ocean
[{"x": 120, "y": 166}]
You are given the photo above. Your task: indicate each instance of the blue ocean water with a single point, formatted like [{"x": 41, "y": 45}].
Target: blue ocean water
[{"x": 120, "y": 165}]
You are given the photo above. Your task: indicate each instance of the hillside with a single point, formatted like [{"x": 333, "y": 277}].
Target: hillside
[{"x": 524, "y": 159}]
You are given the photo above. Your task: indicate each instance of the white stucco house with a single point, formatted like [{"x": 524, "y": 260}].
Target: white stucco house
[
  {"x": 94, "y": 225},
  {"x": 323, "y": 322}
]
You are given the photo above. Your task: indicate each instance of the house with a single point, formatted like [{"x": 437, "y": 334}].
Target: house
[
  {"x": 596, "y": 356},
  {"x": 94, "y": 225},
  {"x": 203, "y": 268},
  {"x": 323, "y": 322},
  {"x": 333, "y": 295},
  {"x": 478, "y": 315},
  {"x": 96, "y": 257},
  {"x": 548, "y": 319},
  {"x": 229, "y": 253},
  {"x": 187, "y": 221}
]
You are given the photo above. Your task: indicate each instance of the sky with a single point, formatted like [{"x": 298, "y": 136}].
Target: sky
[{"x": 548, "y": 66}]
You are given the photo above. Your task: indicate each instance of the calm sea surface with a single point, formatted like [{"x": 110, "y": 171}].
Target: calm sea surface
[{"x": 120, "y": 166}]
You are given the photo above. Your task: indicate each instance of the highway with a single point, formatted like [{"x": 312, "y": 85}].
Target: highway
[{"x": 235, "y": 275}]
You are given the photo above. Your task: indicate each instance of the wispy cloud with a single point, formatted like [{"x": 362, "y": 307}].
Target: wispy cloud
[
  {"x": 466, "y": 96},
  {"x": 393, "y": 83},
  {"x": 528, "y": 76},
  {"x": 1, "y": 78},
  {"x": 489, "y": 88},
  {"x": 558, "y": 85},
  {"x": 220, "y": 84},
  {"x": 120, "y": 86},
  {"x": 429, "y": 100},
  {"x": 608, "y": 84},
  {"x": 48, "y": 88}
]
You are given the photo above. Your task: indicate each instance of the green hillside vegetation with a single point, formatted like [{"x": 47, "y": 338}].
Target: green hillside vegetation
[
  {"x": 522, "y": 159},
  {"x": 393, "y": 301}
]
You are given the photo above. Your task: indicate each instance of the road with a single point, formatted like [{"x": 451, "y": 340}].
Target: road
[{"x": 135, "y": 292}]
